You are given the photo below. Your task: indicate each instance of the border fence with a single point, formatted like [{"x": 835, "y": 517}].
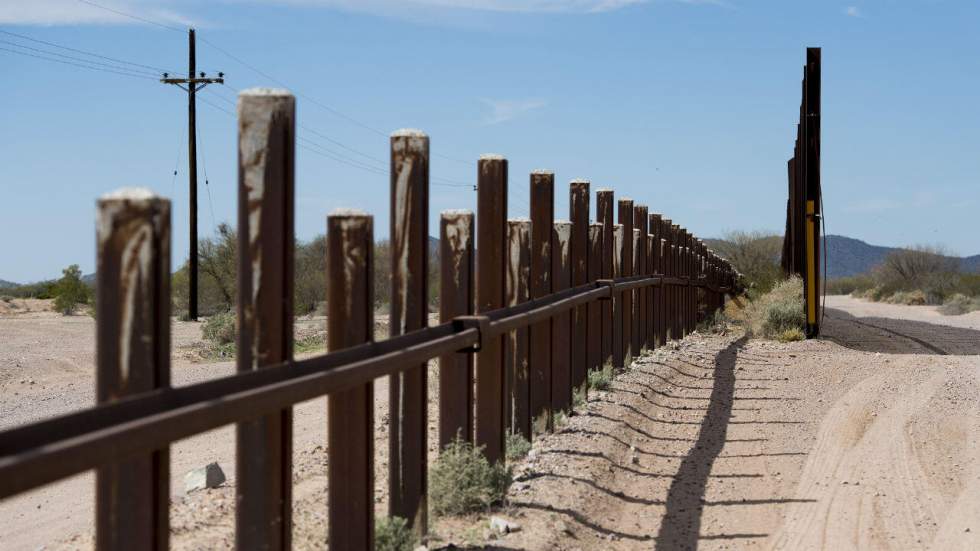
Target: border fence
[
  {"x": 804, "y": 205},
  {"x": 527, "y": 309}
]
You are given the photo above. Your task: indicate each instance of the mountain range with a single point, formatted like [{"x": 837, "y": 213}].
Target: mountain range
[{"x": 847, "y": 256}]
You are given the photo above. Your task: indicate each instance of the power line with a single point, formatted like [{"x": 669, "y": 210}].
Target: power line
[
  {"x": 84, "y": 52},
  {"x": 443, "y": 181},
  {"x": 262, "y": 73},
  {"x": 83, "y": 60},
  {"x": 131, "y": 16},
  {"x": 207, "y": 184},
  {"x": 314, "y": 101},
  {"x": 318, "y": 149},
  {"x": 134, "y": 75}
]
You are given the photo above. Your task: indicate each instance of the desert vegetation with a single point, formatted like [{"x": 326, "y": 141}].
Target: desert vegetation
[
  {"x": 217, "y": 286},
  {"x": 772, "y": 307},
  {"x": 462, "y": 480},
  {"x": 915, "y": 276}
]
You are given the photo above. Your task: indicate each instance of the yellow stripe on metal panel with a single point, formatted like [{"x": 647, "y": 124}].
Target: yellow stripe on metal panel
[{"x": 811, "y": 266}]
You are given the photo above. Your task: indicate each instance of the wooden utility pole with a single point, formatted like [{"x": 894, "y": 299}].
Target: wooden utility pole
[{"x": 191, "y": 85}]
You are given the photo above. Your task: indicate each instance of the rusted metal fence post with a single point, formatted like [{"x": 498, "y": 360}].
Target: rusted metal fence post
[
  {"x": 604, "y": 215},
  {"x": 618, "y": 353},
  {"x": 518, "y": 411},
  {"x": 491, "y": 238},
  {"x": 408, "y": 390},
  {"x": 594, "y": 309},
  {"x": 350, "y": 414},
  {"x": 456, "y": 288},
  {"x": 640, "y": 268},
  {"x": 650, "y": 271},
  {"x": 132, "y": 356},
  {"x": 542, "y": 190},
  {"x": 561, "y": 271},
  {"x": 266, "y": 196},
  {"x": 635, "y": 313},
  {"x": 579, "y": 213},
  {"x": 625, "y": 217},
  {"x": 656, "y": 268},
  {"x": 667, "y": 261}
]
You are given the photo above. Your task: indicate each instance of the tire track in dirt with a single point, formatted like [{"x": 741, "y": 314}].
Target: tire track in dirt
[
  {"x": 921, "y": 342},
  {"x": 867, "y": 482}
]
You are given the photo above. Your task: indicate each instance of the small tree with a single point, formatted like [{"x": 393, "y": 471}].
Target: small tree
[
  {"x": 755, "y": 255},
  {"x": 70, "y": 291},
  {"x": 921, "y": 267}
]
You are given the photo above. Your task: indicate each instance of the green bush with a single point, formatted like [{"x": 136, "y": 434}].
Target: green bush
[
  {"x": 70, "y": 291},
  {"x": 774, "y": 313},
  {"x": 219, "y": 329},
  {"x": 462, "y": 481},
  {"x": 517, "y": 446},
  {"x": 599, "y": 379},
  {"x": 393, "y": 534}
]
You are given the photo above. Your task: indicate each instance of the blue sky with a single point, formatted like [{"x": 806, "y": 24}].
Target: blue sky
[{"x": 687, "y": 106}]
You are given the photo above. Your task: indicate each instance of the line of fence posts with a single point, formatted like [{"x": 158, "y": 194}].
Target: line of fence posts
[{"x": 512, "y": 382}]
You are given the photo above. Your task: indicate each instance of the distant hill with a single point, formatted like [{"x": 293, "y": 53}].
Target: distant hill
[
  {"x": 847, "y": 256},
  {"x": 4, "y": 284}
]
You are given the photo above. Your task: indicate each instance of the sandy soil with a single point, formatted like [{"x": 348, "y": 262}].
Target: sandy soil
[{"x": 865, "y": 439}]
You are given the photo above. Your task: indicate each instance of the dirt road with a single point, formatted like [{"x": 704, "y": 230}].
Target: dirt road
[{"x": 866, "y": 439}]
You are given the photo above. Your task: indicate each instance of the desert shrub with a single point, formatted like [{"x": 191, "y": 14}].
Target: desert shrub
[
  {"x": 70, "y": 291},
  {"x": 219, "y": 329},
  {"x": 852, "y": 285},
  {"x": 921, "y": 267},
  {"x": 309, "y": 343},
  {"x": 908, "y": 298},
  {"x": 599, "y": 379},
  {"x": 717, "y": 324},
  {"x": 516, "y": 445},
  {"x": 774, "y": 313},
  {"x": 791, "y": 335},
  {"x": 755, "y": 255},
  {"x": 393, "y": 534},
  {"x": 7, "y": 298},
  {"x": 310, "y": 285},
  {"x": 959, "y": 304},
  {"x": 463, "y": 481}
]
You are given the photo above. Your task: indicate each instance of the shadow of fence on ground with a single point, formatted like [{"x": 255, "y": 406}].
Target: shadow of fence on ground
[{"x": 895, "y": 336}]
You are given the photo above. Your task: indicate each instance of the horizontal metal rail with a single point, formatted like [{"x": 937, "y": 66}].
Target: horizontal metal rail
[{"x": 50, "y": 450}]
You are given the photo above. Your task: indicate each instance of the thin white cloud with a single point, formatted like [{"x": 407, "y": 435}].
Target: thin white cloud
[
  {"x": 852, "y": 11},
  {"x": 72, "y": 12},
  {"x": 387, "y": 7},
  {"x": 505, "y": 110}
]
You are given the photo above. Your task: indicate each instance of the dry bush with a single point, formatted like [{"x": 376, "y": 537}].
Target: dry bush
[
  {"x": 959, "y": 304},
  {"x": 772, "y": 314},
  {"x": 908, "y": 298},
  {"x": 463, "y": 481}
]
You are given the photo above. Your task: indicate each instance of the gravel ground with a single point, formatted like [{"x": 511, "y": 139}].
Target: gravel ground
[{"x": 865, "y": 439}]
